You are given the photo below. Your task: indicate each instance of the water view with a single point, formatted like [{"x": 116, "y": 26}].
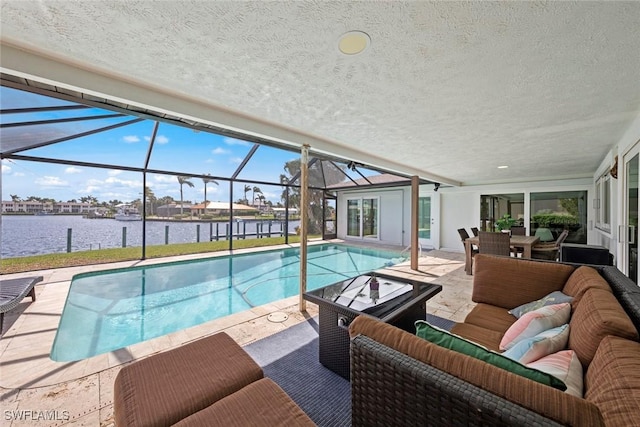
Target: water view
[{"x": 25, "y": 235}]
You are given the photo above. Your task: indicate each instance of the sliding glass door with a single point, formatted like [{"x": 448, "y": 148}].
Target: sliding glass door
[
  {"x": 629, "y": 230},
  {"x": 353, "y": 217},
  {"x": 363, "y": 216}
]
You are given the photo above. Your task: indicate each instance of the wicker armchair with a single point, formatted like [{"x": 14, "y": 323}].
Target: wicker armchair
[
  {"x": 549, "y": 251},
  {"x": 494, "y": 243}
]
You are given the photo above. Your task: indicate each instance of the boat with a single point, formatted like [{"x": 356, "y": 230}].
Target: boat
[
  {"x": 127, "y": 213},
  {"x": 43, "y": 213}
]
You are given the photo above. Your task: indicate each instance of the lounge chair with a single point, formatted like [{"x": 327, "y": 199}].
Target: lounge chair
[{"x": 12, "y": 292}]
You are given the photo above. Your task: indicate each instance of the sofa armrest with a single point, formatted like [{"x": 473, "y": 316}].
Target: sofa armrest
[
  {"x": 504, "y": 385},
  {"x": 508, "y": 282},
  {"x": 391, "y": 388}
]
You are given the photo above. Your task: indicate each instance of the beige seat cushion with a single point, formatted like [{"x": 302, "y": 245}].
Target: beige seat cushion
[
  {"x": 599, "y": 314},
  {"x": 490, "y": 317},
  {"x": 167, "y": 387},
  {"x": 613, "y": 381},
  {"x": 262, "y": 403}
]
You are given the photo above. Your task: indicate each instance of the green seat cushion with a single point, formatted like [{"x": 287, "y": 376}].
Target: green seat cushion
[{"x": 445, "y": 339}]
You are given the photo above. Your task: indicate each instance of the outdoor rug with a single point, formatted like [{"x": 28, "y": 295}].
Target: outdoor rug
[{"x": 290, "y": 358}]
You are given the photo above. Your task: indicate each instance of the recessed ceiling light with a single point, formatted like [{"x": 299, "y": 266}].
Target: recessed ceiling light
[
  {"x": 503, "y": 167},
  {"x": 353, "y": 42}
]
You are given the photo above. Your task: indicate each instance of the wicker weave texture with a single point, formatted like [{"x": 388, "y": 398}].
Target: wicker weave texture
[
  {"x": 389, "y": 388},
  {"x": 495, "y": 243}
]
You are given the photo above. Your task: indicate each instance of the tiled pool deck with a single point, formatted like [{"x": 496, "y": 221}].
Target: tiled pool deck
[{"x": 36, "y": 391}]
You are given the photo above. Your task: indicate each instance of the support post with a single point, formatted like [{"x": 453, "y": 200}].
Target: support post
[
  {"x": 124, "y": 237},
  {"x": 166, "y": 234},
  {"x": 304, "y": 216},
  {"x": 69, "y": 233},
  {"x": 197, "y": 233},
  {"x": 415, "y": 196}
]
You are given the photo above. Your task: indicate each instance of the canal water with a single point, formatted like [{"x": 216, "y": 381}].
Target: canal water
[{"x": 24, "y": 235}]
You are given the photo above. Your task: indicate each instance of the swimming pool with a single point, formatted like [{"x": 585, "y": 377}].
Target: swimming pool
[{"x": 112, "y": 309}]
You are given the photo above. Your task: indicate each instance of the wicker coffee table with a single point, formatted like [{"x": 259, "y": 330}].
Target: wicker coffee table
[{"x": 397, "y": 301}]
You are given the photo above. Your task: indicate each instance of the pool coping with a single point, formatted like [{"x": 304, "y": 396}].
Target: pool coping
[{"x": 25, "y": 347}]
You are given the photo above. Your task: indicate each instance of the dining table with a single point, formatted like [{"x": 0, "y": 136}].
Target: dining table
[{"x": 526, "y": 243}]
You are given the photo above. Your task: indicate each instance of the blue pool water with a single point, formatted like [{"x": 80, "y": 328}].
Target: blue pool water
[{"x": 109, "y": 310}]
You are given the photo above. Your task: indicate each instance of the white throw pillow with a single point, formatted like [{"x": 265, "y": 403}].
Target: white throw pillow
[
  {"x": 545, "y": 343},
  {"x": 534, "y": 322}
]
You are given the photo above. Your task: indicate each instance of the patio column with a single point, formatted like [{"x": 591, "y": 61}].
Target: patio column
[
  {"x": 415, "y": 196},
  {"x": 304, "y": 203}
]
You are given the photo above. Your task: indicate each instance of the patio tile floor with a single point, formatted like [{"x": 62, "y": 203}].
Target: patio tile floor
[{"x": 46, "y": 393}]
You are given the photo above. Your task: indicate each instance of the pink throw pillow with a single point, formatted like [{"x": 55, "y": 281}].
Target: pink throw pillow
[{"x": 534, "y": 322}]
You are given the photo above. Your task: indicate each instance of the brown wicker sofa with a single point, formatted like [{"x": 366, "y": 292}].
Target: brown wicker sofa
[{"x": 398, "y": 378}]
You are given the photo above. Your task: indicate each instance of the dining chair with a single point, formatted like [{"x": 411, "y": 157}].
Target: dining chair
[
  {"x": 464, "y": 236},
  {"x": 494, "y": 243},
  {"x": 549, "y": 251},
  {"x": 474, "y": 230},
  {"x": 518, "y": 230},
  {"x": 544, "y": 234}
]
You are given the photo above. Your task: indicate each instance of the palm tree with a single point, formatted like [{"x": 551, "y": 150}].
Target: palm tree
[
  {"x": 247, "y": 188},
  {"x": 183, "y": 180},
  {"x": 151, "y": 198},
  {"x": 253, "y": 194},
  {"x": 261, "y": 199},
  {"x": 206, "y": 179}
]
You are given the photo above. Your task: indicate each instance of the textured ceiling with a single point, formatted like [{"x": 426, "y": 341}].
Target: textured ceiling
[{"x": 448, "y": 89}]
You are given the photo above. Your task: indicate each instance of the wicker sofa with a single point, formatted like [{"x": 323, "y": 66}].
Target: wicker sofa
[{"x": 398, "y": 378}]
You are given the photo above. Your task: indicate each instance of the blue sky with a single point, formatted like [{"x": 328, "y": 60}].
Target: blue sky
[{"x": 176, "y": 149}]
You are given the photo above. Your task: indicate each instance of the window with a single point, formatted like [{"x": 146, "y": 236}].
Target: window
[
  {"x": 362, "y": 218},
  {"x": 553, "y": 212},
  {"x": 495, "y": 206},
  {"x": 602, "y": 204}
]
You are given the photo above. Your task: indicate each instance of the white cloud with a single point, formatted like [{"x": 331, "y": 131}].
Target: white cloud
[
  {"x": 220, "y": 150},
  {"x": 94, "y": 181},
  {"x": 165, "y": 178},
  {"x": 233, "y": 141},
  {"x": 6, "y": 168},
  {"x": 71, "y": 170},
  {"x": 236, "y": 160},
  {"x": 51, "y": 181},
  {"x": 18, "y": 174},
  {"x": 123, "y": 182},
  {"x": 160, "y": 139},
  {"x": 114, "y": 172},
  {"x": 131, "y": 139},
  {"x": 89, "y": 189}
]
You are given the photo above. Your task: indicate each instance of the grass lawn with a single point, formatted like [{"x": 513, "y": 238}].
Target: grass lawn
[{"x": 103, "y": 256}]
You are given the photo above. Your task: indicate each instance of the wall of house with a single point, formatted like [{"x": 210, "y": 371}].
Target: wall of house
[
  {"x": 611, "y": 238},
  {"x": 460, "y": 206},
  {"x": 394, "y": 214}
]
